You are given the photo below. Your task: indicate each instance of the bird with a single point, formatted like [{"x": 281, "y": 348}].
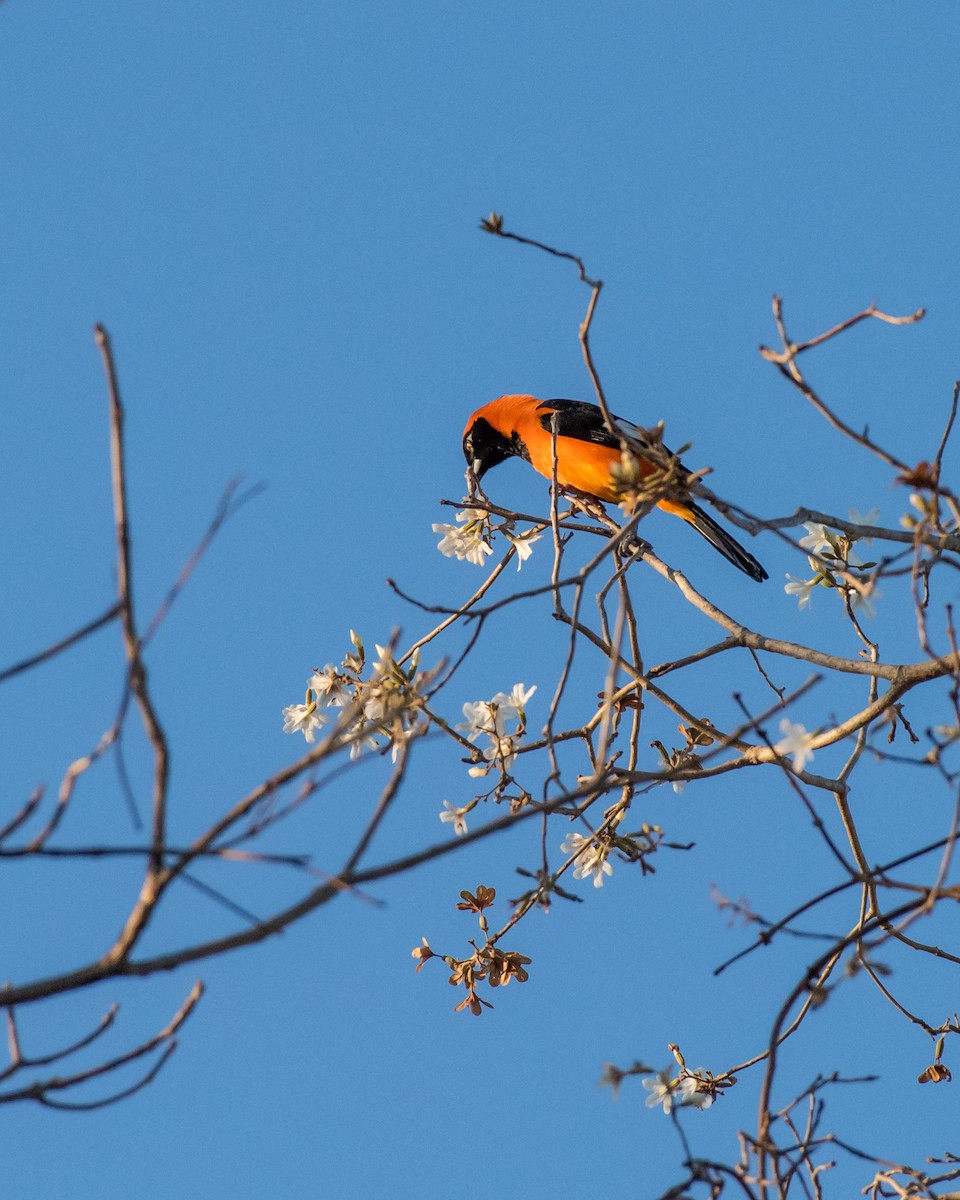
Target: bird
[{"x": 586, "y": 450}]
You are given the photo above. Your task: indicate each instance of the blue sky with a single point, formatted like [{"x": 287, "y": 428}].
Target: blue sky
[{"x": 274, "y": 210}]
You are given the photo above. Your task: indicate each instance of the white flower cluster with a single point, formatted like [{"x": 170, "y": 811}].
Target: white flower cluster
[
  {"x": 834, "y": 551},
  {"x": 685, "y": 1091},
  {"x": 471, "y": 538},
  {"x": 384, "y": 704},
  {"x": 489, "y": 718}
]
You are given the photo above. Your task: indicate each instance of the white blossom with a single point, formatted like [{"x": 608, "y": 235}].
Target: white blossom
[
  {"x": 502, "y": 749},
  {"x": 573, "y": 843},
  {"x": 379, "y": 704},
  {"x": 514, "y": 705},
  {"x": 490, "y": 717},
  {"x": 303, "y": 718},
  {"x": 353, "y": 661},
  {"x": 820, "y": 541},
  {"x": 690, "y": 1094},
  {"x": 481, "y": 716},
  {"x": 366, "y": 742},
  {"x": 466, "y": 540},
  {"x": 802, "y": 589},
  {"x": 591, "y": 859},
  {"x": 660, "y": 1091},
  {"x": 865, "y": 601},
  {"x": 523, "y": 544},
  {"x": 817, "y": 539},
  {"x": 330, "y": 687},
  {"x": 597, "y": 867},
  {"x": 457, "y": 815},
  {"x": 797, "y": 742},
  {"x": 387, "y": 703},
  {"x": 385, "y": 697}
]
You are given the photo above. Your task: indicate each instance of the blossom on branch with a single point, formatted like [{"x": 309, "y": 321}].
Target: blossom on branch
[
  {"x": 457, "y": 815},
  {"x": 865, "y": 601},
  {"x": 696, "y": 1090},
  {"x": 797, "y": 743},
  {"x": 470, "y": 541},
  {"x": 514, "y": 705},
  {"x": 818, "y": 539},
  {"x": 661, "y": 1091},
  {"x": 303, "y": 718},
  {"x": 331, "y": 687},
  {"x": 590, "y": 856},
  {"x": 389, "y": 703},
  {"x": 490, "y": 717},
  {"x": 802, "y": 589},
  {"x": 502, "y": 750},
  {"x": 522, "y": 543}
]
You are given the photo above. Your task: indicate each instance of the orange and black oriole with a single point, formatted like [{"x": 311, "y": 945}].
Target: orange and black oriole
[{"x": 586, "y": 451}]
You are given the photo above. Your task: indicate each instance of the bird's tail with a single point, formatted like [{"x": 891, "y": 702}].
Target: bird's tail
[{"x": 718, "y": 537}]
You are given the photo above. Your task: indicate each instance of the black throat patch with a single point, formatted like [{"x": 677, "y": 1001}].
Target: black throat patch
[{"x": 486, "y": 446}]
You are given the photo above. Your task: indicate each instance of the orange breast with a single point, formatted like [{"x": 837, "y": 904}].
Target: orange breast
[
  {"x": 581, "y": 464},
  {"x": 584, "y": 466}
]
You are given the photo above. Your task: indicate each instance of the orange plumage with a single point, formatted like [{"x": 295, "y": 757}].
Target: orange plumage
[{"x": 586, "y": 450}]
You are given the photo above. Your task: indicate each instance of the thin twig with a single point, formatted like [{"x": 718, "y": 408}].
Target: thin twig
[
  {"x": 78, "y": 635},
  {"x": 131, "y": 640}
]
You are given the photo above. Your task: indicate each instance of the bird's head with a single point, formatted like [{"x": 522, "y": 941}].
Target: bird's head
[
  {"x": 491, "y": 435},
  {"x": 484, "y": 446}
]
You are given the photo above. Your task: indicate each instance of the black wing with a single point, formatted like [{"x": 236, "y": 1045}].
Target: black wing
[{"x": 578, "y": 419}]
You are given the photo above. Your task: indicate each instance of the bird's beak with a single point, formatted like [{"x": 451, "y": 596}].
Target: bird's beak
[{"x": 473, "y": 480}]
